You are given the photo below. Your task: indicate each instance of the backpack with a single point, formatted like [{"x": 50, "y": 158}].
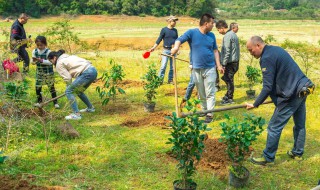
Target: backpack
[{"x": 10, "y": 66}]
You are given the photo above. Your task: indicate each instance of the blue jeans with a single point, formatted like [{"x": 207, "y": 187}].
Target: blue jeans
[
  {"x": 78, "y": 86},
  {"x": 164, "y": 62},
  {"x": 190, "y": 88},
  {"x": 295, "y": 107}
]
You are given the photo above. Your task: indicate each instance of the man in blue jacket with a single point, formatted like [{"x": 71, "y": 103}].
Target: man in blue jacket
[
  {"x": 18, "y": 33},
  {"x": 204, "y": 57},
  {"x": 288, "y": 88}
]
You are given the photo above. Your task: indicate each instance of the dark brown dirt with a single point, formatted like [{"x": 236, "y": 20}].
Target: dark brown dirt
[
  {"x": 7, "y": 183},
  {"x": 214, "y": 158},
  {"x": 153, "y": 119}
]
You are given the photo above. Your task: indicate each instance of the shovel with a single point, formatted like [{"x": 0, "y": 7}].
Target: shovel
[{"x": 219, "y": 109}]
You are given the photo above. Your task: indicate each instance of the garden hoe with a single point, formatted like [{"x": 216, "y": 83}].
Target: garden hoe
[{"x": 46, "y": 102}]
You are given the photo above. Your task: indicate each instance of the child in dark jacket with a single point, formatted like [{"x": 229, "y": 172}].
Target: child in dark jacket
[{"x": 44, "y": 72}]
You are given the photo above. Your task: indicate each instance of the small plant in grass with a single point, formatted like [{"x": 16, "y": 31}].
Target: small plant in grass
[
  {"x": 111, "y": 81},
  {"x": 152, "y": 82},
  {"x": 253, "y": 75},
  {"x": 187, "y": 138},
  {"x": 238, "y": 136}
]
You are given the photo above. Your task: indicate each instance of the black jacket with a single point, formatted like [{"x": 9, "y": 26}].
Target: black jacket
[
  {"x": 282, "y": 77},
  {"x": 17, "y": 31}
]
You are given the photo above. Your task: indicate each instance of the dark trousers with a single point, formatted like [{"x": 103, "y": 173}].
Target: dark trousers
[
  {"x": 52, "y": 91},
  {"x": 296, "y": 107},
  {"x": 229, "y": 72},
  {"x": 24, "y": 56}
]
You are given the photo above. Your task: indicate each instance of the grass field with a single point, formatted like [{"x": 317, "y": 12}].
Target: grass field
[{"x": 123, "y": 147}]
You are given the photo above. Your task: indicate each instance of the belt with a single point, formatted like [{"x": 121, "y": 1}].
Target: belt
[{"x": 168, "y": 48}]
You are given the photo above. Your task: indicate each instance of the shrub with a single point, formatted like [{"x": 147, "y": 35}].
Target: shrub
[
  {"x": 253, "y": 75},
  {"x": 153, "y": 81},
  {"x": 187, "y": 138},
  {"x": 238, "y": 136},
  {"x": 111, "y": 81}
]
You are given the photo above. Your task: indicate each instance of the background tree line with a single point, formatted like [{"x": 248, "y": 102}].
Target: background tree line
[{"x": 274, "y": 9}]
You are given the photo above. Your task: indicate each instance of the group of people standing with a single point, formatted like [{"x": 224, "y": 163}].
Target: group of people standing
[
  {"x": 205, "y": 58},
  {"x": 283, "y": 80},
  {"x": 68, "y": 67}
]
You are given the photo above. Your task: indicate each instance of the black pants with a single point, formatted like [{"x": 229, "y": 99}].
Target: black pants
[
  {"x": 23, "y": 56},
  {"x": 52, "y": 91},
  {"x": 229, "y": 72},
  {"x": 217, "y": 80}
]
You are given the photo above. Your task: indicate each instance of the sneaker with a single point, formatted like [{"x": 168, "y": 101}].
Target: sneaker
[
  {"x": 90, "y": 110},
  {"x": 294, "y": 156},
  {"x": 36, "y": 105},
  {"x": 208, "y": 119},
  {"x": 227, "y": 101},
  {"x": 224, "y": 98},
  {"x": 73, "y": 116},
  {"x": 260, "y": 161},
  {"x": 56, "y": 106}
]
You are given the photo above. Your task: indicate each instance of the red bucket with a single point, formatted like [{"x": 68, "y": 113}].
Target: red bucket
[{"x": 146, "y": 54}]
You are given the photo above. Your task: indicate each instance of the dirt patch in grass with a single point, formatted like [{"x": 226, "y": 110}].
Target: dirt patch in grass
[
  {"x": 214, "y": 158},
  {"x": 7, "y": 183},
  {"x": 153, "y": 119}
]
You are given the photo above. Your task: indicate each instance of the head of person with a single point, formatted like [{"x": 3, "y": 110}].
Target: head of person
[
  {"x": 234, "y": 27},
  {"x": 172, "y": 21},
  {"x": 23, "y": 18},
  {"x": 255, "y": 46},
  {"x": 222, "y": 27},
  {"x": 54, "y": 56},
  {"x": 207, "y": 22},
  {"x": 41, "y": 42}
]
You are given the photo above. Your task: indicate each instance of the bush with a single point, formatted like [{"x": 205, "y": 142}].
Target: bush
[
  {"x": 253, "y": 75},
  {"x": 153, "y": 81},
  {"x": 111, "y": 81},
  {"x": 238, "y": 136},
  {"x": 187, "y": 139}
]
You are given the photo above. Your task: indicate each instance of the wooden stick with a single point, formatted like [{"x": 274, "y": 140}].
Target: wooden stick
[
  {"x": 46, "y": 102},
  {"x": 175, "y": 85},
  {"x": 175, "y": 57},
  {"x": 219, "y": 109}
]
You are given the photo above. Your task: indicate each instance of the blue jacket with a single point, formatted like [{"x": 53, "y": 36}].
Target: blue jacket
[{"x": 282, "y": 77}]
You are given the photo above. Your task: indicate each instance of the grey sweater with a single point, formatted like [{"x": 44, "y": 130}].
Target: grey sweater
[{"x": 230, "y": 50}]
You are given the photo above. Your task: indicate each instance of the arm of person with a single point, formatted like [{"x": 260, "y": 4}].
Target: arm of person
[
  {"x": 268, "y": 68},
  {"x": 227, "y": 47},
  {"x": 176, "y": 47},
  {"x": 217, "y": 59},
  {"x": 179, "y": 41},
  {"x": 160, "y": 38},
  {"x": 64, "y": 73}
]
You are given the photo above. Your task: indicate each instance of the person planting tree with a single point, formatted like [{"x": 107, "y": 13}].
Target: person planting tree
[
  {"x": 71, "y": 66},
  {"x": 288, "y": 88}
]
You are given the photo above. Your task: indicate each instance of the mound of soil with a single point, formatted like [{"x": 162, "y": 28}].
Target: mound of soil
[
  {"x": 214, "y": 158},
  {"x": 7, "y": 183},
  {"x": 67, "y": 130},
  {"x": 153, "y": 119}
]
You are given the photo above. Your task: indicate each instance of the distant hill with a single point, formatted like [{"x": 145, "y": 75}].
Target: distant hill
[{"x": 275, "y": 9}]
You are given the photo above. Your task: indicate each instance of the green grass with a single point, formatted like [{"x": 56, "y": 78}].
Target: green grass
[{"x": 109, "y": 155}]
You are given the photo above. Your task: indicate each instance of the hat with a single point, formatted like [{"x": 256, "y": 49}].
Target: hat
[{"x": 172, "y": 18}]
